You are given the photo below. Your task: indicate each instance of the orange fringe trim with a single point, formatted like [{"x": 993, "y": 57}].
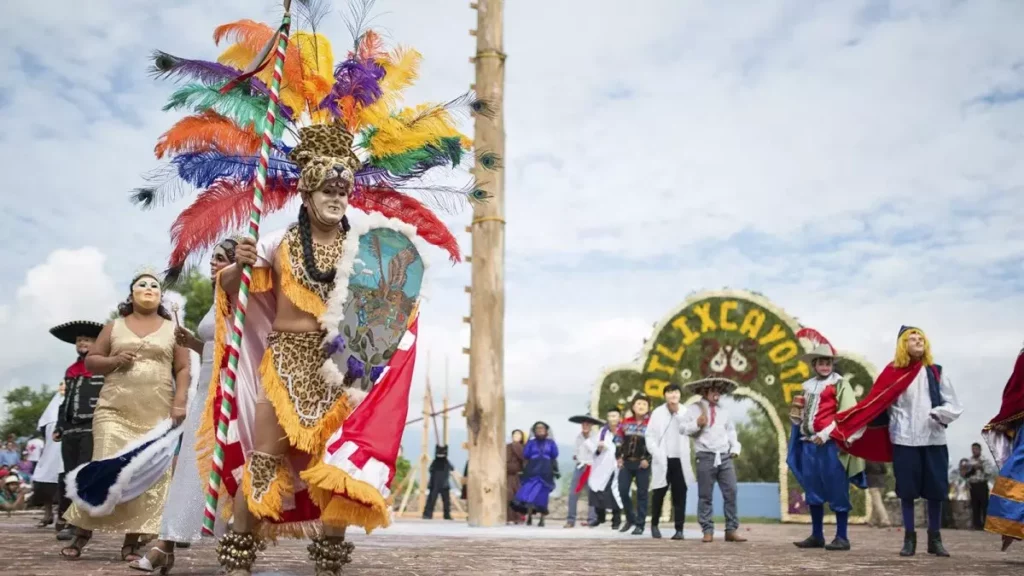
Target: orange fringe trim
[
  {"x": 262, "y": 280},
  {"x": 345, "y": 501},
  {"x": 272, "y": 502},
  {"x": 206, "y": 435},
  {"x": 296, "y": 530},
  {"x": 303, "y": 298},
  {"x": 309, "y": 440}
]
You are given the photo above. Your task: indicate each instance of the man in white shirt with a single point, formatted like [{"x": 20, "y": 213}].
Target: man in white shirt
[
  {"x": 714, "y": 439},
  {"x": 670, "y": 460},
  {"x": 581, "y": 459},
  {"x": 34, "y": 449}
]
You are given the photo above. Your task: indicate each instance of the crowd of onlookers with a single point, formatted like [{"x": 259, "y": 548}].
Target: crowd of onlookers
[{"x": 18, "y": 458}]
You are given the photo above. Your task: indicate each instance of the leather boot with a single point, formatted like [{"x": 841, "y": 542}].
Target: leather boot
[
  {"x": 935, "y": 544},
  {"x": 732, "y": 536},
  {"x": 811, "y": 542},
  {"x": 909, "y": 544}
]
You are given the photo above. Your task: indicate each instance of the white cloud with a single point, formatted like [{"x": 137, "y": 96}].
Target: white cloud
[
  {"x": 840, "y": 158},
  {"x": 68, "y": 285}
]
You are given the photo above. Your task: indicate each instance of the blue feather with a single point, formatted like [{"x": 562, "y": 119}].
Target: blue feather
[{"x": 201, "y": 169}]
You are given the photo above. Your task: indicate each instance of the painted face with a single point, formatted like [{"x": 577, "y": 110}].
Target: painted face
[
  {"x": 327, "y": 205},
  {"x": 823, "y": 366},
  {"x": 613, "y": 418},
  {"x": 218, "y": 261},
  {"x": 517, "y": 436},
  {"x": 915, "y": 345},
  {"x": 672, "y": 397},
  {"x": 640, "y": 408},
  {"x": 713, "y": 395},
  {"x": 83, "y": 343},
  {"x": 146, "y": 293}
]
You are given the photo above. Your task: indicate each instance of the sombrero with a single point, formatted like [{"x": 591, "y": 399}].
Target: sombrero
[
  {"x": 69, "y": 331},
  {"x": 583, "y": 419},
  {"x": 724, "y": 385},
  {"x": 820, "y": 351}
]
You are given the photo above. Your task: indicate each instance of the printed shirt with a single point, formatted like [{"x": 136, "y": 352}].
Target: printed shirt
[
  {"x": 632, "y": 441},
  {"x": 821, "y": 405}
]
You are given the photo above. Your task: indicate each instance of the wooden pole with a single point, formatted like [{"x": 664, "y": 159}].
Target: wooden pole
[
  {"x": 424, "y": 446},
  {"x": 485, "y": 412},
  {"x": 444, "y": 407}
]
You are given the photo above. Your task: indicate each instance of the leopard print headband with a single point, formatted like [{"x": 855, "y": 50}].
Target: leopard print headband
[{"x": 324, "y": 152}]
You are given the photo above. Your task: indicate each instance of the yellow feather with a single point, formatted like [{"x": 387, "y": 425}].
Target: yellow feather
[
  {"x": 396, "y": 133},
  {"x": 317, "y": 67},
  {"x": 239, "y": 56}
]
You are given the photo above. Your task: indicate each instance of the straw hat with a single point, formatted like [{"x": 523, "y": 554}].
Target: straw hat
[{"x": 723, "y": 385}]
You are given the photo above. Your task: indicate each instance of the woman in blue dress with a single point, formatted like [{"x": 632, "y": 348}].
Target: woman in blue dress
[
  {"x": 1005, "y": 437},
  {"x": 539, "y": 475}
]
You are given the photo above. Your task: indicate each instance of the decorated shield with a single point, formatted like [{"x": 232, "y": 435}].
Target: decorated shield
[{"x": 383, "y": 289}]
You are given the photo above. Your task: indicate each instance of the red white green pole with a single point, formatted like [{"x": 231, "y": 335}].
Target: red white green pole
[{"x": 227, "y": 404}]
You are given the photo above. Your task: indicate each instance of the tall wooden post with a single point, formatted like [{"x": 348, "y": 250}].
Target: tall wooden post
[
  {"x": 425, "y": 445},
  {"x": 485, "y": 402}
]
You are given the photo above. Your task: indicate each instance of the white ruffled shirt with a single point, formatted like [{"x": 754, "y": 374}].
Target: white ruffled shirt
[{"x": 910, "y": 416}]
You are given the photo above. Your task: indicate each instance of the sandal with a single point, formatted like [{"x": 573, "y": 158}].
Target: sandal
[
  {"x": 130, "y": 552},
  {"x": 74, "y": 550},
  {"x": 164, "y": 562}
]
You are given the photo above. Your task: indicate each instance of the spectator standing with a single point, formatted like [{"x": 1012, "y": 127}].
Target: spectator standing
[{"x": 979, "y": 472}]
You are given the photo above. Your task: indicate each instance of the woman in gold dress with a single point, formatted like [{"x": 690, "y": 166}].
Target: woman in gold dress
[{"x": 146, "y": 379}]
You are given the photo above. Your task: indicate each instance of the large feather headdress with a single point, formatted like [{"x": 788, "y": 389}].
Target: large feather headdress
[{"x": 215, "y": 149}]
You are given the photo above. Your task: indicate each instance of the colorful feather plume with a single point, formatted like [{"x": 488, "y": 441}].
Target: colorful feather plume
[{"x": 215, "y": 148}]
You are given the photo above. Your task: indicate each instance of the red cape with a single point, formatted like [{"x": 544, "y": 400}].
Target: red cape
[
  {"x": 874, "y": 445},
  {"x": 1012, "y": 408}
]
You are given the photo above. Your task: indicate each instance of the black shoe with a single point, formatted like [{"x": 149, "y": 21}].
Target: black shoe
[
  {"x": 935, "y": 545},
  {"x": 541, "y": 523},
  {"x": 425, "y": 517},
  {"x": 594, "y": 524},
  {"x": 838, "y": 544},
  {"x": 448, "y": 517},
  {"x": 655, "y": 532},
  {"x": 529, "y": 520},
  {"x": 811, "y": 542},
  {"x": 616, "y": 525},
  {"x": 678, "y": 535},
  {"x": 909, "y": 544},
  {"x": 638, "y": 530},
  {"x": 182, "y": 544},
  {"x": 625, "y": 527}
]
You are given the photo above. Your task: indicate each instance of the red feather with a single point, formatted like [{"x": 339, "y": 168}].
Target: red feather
[
  {"x": 221, "y": 207},
  {"x": 393, "y": 204}
]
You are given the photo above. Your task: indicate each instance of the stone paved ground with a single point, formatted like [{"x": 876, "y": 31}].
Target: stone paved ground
[{"x": 415, "y": 548}]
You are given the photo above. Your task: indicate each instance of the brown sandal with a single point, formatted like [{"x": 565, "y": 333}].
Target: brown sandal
[{"x": 74, "y": 550}]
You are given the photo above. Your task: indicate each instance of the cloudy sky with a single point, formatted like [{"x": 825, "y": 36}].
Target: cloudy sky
[{"x": 858, "y": 162}]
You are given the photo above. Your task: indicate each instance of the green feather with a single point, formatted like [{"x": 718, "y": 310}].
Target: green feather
[
  {"x": 448, "y": 149},
  {"x": 244, "y": 109}
]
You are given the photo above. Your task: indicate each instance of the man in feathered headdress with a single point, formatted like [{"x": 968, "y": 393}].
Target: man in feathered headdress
[
  {"x": 73, "y": 428},
  {"x": 903, "y": 420}
]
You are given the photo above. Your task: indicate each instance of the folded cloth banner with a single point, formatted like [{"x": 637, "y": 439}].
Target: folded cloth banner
[
  {"x": 98, "y": 486},
  {"x": 366, "y": 447}
]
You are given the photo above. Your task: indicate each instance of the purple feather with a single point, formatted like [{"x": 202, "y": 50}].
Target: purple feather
[
  {"x": 169, "y": 66},
  {"x": 336, "y": 345},
  {"x": 356, "y": 368},
  {"x": 375, "y": 373},
  {"x": 360, "y": 80}
]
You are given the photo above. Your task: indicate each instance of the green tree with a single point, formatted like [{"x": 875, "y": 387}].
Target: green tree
[
  {"x": 24, "y": 407},
  {"x": 402, "y": 467},
  {"x": 759, "y": 461},
  {"x": 198, "y": 292}
]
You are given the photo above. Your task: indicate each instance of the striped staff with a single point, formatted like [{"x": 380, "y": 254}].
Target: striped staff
[{"x": 234, "y": 345}]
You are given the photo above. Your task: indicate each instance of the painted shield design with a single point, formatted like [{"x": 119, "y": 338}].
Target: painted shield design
[{"x": 383, "y": 290}]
